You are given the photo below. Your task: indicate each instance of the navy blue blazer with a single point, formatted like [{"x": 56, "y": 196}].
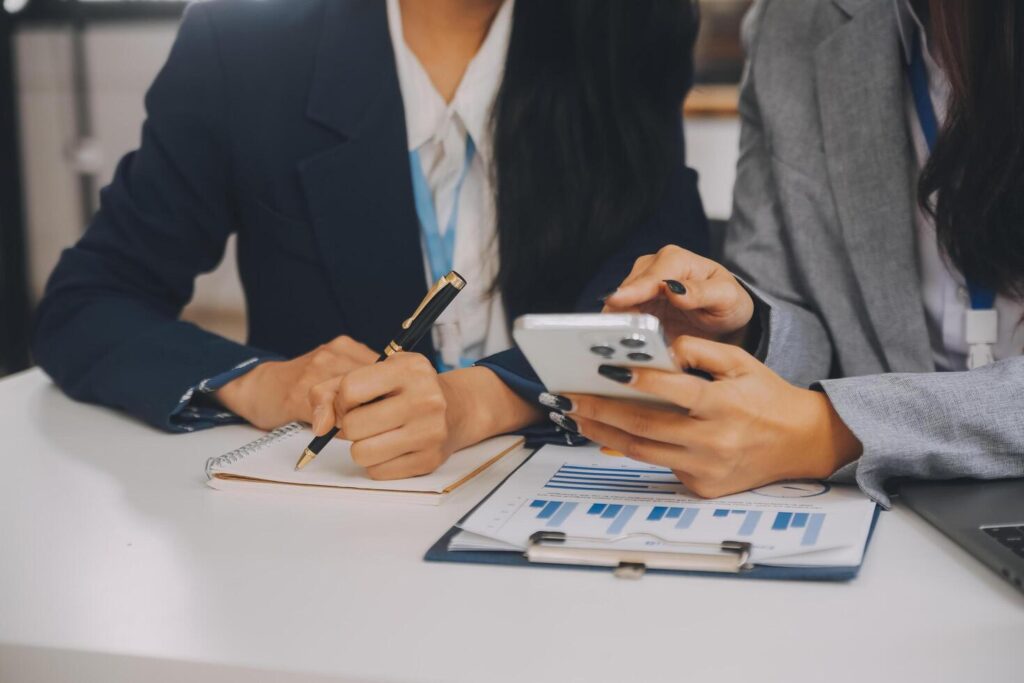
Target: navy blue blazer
[{"x": 281, "y": 122}]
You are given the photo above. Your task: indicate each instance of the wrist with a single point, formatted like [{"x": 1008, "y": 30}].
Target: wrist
[
  {"x": 237, "y": 395},
  {"x": 468, "y": 418},
  {"x": 748, "y": 335},
  {"x": 480, "y": 406},
  {"x": 833, "y": 444},
  {"x": 745, "y": 337}
]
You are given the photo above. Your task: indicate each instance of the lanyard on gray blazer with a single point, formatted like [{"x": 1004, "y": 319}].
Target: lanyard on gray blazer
[{"x": 982, "y": 320}]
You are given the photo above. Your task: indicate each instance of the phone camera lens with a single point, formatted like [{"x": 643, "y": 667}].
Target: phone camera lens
[
  {"x": 602, "y": 350},
  {"x": 640, "y": 356},
  {"x": 635, "y": 342}
]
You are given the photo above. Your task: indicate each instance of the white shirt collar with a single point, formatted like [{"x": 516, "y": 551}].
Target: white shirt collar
[
  {"x": 905, "y": 24},
  {"x": 427, "y": 115},
  {"x": 909, "y": 25}
]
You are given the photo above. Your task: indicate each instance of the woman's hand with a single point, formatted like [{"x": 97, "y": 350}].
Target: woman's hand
[
  {"x": 275, "y": 393},
  {"x": 405, "y": 420},
  {"x": 747, "y": 428},
  {"x": 690, "y": 294}
]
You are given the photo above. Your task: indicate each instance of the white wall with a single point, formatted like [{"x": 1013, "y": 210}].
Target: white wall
[
  {"x": 47, "y": 132},
  {"x": 122, "y": 60},
  {"x": 712, "y": 147}
]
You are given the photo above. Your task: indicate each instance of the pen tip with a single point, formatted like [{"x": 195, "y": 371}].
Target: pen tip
[{"x": 304, "y": 459}]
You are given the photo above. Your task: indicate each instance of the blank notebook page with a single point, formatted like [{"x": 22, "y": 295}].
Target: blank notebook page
[{"x": 271, "y": 459}]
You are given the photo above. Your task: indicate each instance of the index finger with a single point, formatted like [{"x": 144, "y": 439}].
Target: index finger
[
  {"x": 670, "y": 263},
  {"x": 347, "y": 346},
  {"x": 679, "y": 389},
  {"x": 367, "y": 383}
]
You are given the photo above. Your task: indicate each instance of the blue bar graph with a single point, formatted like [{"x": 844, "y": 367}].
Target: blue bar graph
[
  {"x": 561, "y": 515},
  {"x": 657, "y": 513},
  {"x": 814, "y": 523},
  {"x": 782, "y": 521},
  {"x": 749, "y": 524},
  {"x": 602, "y": 485},
  {"x": 686, "y": 519},
  {"x": 624, "y": 472},
  {"x": 620, "y": 522},
  {"x": 620, "y": 471},
  {"x": 611, "y": 511},
  {"x": 557, "y": 514},
  {"x": 658, "y": 481},
  {"x": 548, "y": 509}
]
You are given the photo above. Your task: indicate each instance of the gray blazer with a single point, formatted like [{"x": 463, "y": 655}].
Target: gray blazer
[{"x": 823, "y": 230}]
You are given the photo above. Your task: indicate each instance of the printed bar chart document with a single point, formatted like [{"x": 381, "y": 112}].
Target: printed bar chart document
[{"x": 599, "y": 500}]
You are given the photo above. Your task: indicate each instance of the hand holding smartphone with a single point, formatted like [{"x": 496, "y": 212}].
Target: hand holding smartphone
[{"x": 566, "y": 350}]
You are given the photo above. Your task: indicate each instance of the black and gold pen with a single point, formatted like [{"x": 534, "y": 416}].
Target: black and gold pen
[{"x": 413, "y": 330}]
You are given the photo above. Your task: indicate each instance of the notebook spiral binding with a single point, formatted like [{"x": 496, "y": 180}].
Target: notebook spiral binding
[{"x": 248, "y": 449}]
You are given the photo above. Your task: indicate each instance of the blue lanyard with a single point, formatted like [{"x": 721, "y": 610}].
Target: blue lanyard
[
  {"x": 440, "y": 248},
  {"x": 981, "y": 297}
]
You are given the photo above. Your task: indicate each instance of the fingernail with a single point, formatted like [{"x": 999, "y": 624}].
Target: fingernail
[
  {"x": 616, "y": 374},
  {"x": 675, "y": 286},
  {"x": 607, "y": 296},
  {"x": 555, "y": 401},
  {"x": 566, "y": 423}
]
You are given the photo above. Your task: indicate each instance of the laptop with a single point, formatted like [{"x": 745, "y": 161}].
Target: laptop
[{"x": 985, "y": 517}]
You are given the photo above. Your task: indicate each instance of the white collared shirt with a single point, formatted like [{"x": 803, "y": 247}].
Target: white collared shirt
[
  {"x": 438, "y": 130},
  {"x": 946, "y": 298}
]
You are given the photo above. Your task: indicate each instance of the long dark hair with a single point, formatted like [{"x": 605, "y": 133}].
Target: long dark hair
[
  {"x": 587, "y": 130},
  {"x": 977, "y": 168}
]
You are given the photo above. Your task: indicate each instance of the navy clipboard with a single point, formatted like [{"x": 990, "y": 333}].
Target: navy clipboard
[{"x": 439, "y": 552}]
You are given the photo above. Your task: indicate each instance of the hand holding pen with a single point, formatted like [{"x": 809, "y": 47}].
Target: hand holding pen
[{"x": 385, "y": 409}]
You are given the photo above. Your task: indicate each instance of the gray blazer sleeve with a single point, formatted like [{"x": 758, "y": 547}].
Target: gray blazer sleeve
[
  {"x": 922, "y": 425},
  {"x": 934, "y": 425},
  {"x": 794, "y": 341}
]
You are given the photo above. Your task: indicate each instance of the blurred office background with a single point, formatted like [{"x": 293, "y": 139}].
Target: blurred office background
[{"x": 72, "y": 78}]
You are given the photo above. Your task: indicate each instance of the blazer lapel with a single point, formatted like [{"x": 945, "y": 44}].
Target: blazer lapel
[
  {"x": 872, "y": 172},
  {"x": 360, "y": 191}
]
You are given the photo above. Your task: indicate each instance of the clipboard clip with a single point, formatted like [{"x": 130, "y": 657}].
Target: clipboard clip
[{"x": 727, "y": 557}]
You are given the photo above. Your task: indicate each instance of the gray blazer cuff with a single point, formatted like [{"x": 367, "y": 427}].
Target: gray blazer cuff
[
  {"x": 933, "y": 425},
  {"x": 857, "y": 401}
]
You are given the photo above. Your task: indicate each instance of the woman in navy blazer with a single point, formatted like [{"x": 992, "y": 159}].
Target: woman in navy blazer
[{"x": 283, "y": 122}]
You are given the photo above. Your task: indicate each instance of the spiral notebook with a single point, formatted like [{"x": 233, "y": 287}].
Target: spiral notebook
[{"x": 268, "y": 463}]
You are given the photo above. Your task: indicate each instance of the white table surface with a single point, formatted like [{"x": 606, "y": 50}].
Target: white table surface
[{"x": 117, "y": 563}]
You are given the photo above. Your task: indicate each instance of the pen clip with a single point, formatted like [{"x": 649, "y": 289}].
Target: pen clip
[{"x": 452, "y": 278}]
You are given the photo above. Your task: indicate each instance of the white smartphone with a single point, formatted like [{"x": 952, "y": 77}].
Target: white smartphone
[{"x": 566, "y": 349}]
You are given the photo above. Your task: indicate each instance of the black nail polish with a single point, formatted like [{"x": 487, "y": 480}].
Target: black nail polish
[
  {"x": 675, "y": 286},
  {"x": 616, "y": 374},
  {"x": 555, "y": 401},
  {"x": 566, "y": 423}
]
